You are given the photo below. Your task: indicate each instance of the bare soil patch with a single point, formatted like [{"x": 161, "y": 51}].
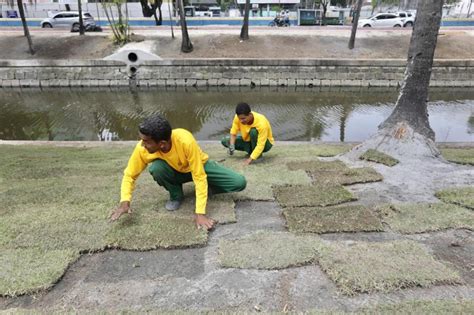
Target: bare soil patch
[{"x": 263, "y": 43}]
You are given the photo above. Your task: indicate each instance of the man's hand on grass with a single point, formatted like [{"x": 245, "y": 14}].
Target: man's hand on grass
[
  {"x": 204, "y": 222},
  {"x": 247, "y": 161},
  {"x": 124, "y": 207}
]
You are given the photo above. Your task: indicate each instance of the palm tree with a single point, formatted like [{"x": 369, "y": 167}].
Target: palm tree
[{"x": 25, "y": 26}]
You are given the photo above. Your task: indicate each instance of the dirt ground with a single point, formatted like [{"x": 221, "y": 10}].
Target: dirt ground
[{"x": 264, "y": 42}]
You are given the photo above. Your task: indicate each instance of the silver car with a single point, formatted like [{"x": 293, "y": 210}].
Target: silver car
[{"x": 68, "y": 19}]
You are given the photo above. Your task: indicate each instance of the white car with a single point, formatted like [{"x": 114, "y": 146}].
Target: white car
[
  {"x": 68, "y": 19},
  {"x": 407, "y": 17},
  {"x": 382, "y": 20}
]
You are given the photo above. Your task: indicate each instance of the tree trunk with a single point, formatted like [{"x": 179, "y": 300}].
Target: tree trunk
[
  {"x": 355, "y": 21},
  {"x": 244, "y": 33},
  {"x": 406, "y": 133},
  {"x": 160, "y": 21},
  {"x": 25, "y": 26},
  {"x": 412, "y": 101},
  {"x": 186, "y": 45},
  {"x": 81, "y": 21}
]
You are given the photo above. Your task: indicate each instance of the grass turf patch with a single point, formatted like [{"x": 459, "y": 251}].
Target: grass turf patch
[
  {"x": 463, "y": 196},
  {"x": 459, "y": 155},
  {"x": 31, "y": 269},
  {"x": 361, "y": 267},
  {"x": 311, "y": 196},
  {"x": 426, "y": 217},
  {"x": 378, "y": 157},
  {"x": 268, "y": 250},
  {"x": 145, "y": 230},
  {"x": 352, "y": 218},
  {"x": 426, "y": 307},
  {"x": 316, "y": 165},
  {"x": 347, "y": 176}
]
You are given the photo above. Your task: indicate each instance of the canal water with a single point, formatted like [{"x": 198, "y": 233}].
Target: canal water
[{"x": 296, "y": 115}]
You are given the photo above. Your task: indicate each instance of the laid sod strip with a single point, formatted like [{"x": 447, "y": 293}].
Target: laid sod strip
[
  {"x": 378, "y": 157},
  {"x": 348, "y": 176},
  {"x": 459, "y": 155},
  {"x": 463, "y": 196},
  {"x": 423, "y": 307},
  {"x": 316, "y": 165},
  {"x": 261, "y": 178},
  {"x": 426, "y": 217},
  {"x": 361, "y": 267},
  {"x": 311, "y": 196},
  {"x": 145, "y": 230},
  {"x": 332, "y": 219},
  {"x": 268, "y": 250},
  {"x": 28, "y": 270}
]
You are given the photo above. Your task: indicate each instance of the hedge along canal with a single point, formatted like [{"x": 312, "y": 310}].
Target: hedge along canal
[{"x": 296, "y": 114}]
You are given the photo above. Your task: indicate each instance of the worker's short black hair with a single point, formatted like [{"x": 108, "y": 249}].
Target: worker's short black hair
[
  {"x": 243, "y": 109},
  {"x": 156, "y": 127}
]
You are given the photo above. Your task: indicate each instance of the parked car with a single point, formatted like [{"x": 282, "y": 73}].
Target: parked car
[
  {"x": 382, "y": 20},
  {"x": 68, "y": 19},
  {"x": 407, "y": 17}
]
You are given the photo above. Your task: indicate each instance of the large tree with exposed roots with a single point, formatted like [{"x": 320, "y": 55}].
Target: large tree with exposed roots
[{"x": 406, "y": 133}]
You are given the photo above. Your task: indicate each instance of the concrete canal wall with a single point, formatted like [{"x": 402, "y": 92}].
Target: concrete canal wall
[{"x": 224, "y": 72}]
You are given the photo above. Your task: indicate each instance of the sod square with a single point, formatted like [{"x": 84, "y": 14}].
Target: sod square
[
  {"x": 316, "y": 165},
  {"x": 28, "y": 270},
  {"x": 268, "y": 250},
  {"x": 362, "y": 267},
  {"x": 463, "y": 196},
  {"x": 145, "y": 230},
  {"x": 347, "y": 176},
  {"x": 261, "y": 177},
  {"x": 311, "y": 196},
  {"x": 353, "y": 218},
  {"x": 378, "y": 157},
  {"x": 459, "y": 155},
  {"x": 426, "y": 217}
]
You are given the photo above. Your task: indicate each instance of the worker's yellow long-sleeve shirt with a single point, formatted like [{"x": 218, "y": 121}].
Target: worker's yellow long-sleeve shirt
[
  {"x": 263, "y": 127},
  {"x": 185, "y": 156}
]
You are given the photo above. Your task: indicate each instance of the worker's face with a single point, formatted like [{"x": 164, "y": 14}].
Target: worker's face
[
  {"x": 152, "y": 146},
  {"x": 246, "y": 119}
]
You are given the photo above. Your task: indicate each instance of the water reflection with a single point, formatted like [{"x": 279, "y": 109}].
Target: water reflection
[{"x": 312, "y": 114}]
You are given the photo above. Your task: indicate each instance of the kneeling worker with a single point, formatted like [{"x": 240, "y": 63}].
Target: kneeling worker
[
  {"x": 175, "y": 158},
  {"x": 255, "y": 133}
]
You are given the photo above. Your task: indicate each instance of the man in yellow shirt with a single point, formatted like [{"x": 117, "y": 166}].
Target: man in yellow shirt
[
  {"x": 175, "y": 158},
  {"x": 255, "y": 133}
]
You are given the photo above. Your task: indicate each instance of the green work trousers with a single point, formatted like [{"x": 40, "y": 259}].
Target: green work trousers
[
  {"x": 219, "y": 178},
  {"x": 247, "y": 146}
]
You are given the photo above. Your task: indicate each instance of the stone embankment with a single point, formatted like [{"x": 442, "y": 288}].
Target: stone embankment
[{"x": 224, "y": 72}]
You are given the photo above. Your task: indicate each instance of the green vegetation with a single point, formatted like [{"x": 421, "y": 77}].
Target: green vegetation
[
  {"x": 459, "y": 155},
  {"x": 347, "y": 176},
  {"x": 30, "y": 269},
  {"x": 426, "y": 217},
  {"x": 312, "y": 196},
  {"x": 424, "y": 307},
  {"x": 463, "y": 196},
  {"x": 358, "y": 267},
  {"x": 268, "y": 250},
  {"x": 332, "y": 219},
  {"x": 317, "y": 165},
  {"x": 379, "y": 157}
]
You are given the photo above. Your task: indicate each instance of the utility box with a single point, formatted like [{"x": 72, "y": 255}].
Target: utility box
[{"x": 309, "y": 16}]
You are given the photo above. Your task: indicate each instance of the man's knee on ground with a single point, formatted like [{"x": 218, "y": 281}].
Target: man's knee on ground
[
  {"x": 225, "y": 141},
  {"x": 240, "y": 183},
  {"x": 157, "y": 168},
  {"x": 253, "y": 132}
]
